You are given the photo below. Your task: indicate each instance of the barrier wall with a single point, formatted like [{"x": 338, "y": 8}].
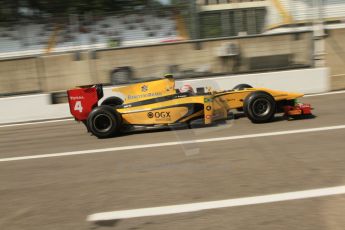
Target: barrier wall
[
  {"x": 335, "y": 57},
  {"x": 31, "y": 108},
  {"x": 39, "y": 107},
  {"x": 54, "y": 72},
  {"x": 19, "y": 75},
  {"x": 306, "y": 81}
]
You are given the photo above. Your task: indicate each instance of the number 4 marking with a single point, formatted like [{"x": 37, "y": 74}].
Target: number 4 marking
[{"x": 78, "y": 106}]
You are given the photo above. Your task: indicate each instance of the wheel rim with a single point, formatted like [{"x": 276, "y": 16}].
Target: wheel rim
[
  {"x": 102, "y": 123},
  {"x": 261, "y": 107}
]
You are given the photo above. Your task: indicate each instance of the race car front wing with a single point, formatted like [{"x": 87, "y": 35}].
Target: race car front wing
[{"x": 299, "y": 109}]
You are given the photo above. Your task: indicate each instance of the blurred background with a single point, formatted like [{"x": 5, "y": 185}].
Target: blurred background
[
  {"x": 53, "y": 45},
  {"x": 54, "y": 173}
]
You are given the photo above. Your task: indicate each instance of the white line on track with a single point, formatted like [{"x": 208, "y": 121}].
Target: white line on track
[
  {"x": 324, "y": 94},
  {"x": 131, "y": 147},
  {"x": 195, "y": 207},
  {"x": 36, "y": 122},
  {"x": 70, "y": 119}
]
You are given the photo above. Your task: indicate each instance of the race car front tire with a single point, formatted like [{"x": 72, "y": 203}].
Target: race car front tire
[
  {"x": 242, "y": 87},
  {"x": 104, "y": 122},
  {"x": 259, "y": 107}
]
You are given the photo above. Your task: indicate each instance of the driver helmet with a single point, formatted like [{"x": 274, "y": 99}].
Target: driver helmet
[{"x": 186, "y": 88}]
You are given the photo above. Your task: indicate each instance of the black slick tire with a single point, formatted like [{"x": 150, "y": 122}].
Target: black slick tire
[
  {"x": 112, "y": 101},
  {"x": 259, "y": 107},
  {"x": 104, "y": 121}
]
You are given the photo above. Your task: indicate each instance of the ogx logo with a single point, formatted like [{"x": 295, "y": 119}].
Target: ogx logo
[{"x": 158, "y": 115}]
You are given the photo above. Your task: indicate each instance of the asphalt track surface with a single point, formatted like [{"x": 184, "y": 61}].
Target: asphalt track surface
[{"x": 60, "y": 192}]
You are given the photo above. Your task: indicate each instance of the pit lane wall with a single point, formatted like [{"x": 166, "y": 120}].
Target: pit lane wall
[{"x": 39, "y": 107}]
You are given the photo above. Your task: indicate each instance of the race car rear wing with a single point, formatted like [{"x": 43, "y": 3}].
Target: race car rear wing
[{"x": 83, "y": 99}]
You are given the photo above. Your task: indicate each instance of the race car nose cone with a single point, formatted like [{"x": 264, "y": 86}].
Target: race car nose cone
[{"x": 295, "y": 95}]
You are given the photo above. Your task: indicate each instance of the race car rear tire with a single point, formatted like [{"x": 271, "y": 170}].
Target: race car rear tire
[
  {"x": 259, "y": 107},
  {"x": 112, "y": 101},
  {"x": 104, "y": 121}
]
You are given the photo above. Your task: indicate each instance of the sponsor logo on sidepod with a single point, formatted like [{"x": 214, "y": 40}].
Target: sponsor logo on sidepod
[
  {"x": 158, "y": 115},
  {"x": 144, "y": 95}
]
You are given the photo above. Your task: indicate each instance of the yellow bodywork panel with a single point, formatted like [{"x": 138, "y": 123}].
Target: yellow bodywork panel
[
  {"x": 159, "y": 116},
  {"x": 165, "y": 112},
  {"x": 157, "y": 102},
  {"x": 147, "y": 90},
  {"x": 234, "y": 99}
]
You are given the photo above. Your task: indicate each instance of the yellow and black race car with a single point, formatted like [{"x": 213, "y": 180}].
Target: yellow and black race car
[{"x": 158, "y": 103}]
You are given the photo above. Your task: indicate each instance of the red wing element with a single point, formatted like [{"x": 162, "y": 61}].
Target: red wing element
[
  {"x": 298, "y": 109},
  {"x": 82, "y": 101}
]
